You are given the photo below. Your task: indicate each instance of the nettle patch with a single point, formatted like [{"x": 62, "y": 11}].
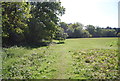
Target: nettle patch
[{"x": 96, "y": 64}]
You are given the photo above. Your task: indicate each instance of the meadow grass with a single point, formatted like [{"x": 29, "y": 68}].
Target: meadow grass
[{"x": 80, "y": 58}]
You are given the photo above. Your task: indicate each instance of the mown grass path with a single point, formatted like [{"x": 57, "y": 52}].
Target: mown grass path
[
  {"x": 63, "y": 60},
  {"x": 63, "y": 63}
]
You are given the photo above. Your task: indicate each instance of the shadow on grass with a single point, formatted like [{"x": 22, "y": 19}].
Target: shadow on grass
[
  {"x": 60, "y": 42},
  {"x": 41, "y": 44},
  {"x": 34, "y": 45},
  {"x": 28, "y": 45}
]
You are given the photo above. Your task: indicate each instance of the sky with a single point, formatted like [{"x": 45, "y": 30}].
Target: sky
[{"x": 100, "y": 13}]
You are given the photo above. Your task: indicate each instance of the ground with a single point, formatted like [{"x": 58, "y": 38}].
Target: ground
[{"x": 81, "y": 58}]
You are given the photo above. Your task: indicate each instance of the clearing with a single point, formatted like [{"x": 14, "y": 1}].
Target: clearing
[{"x": 81, "y": 58}]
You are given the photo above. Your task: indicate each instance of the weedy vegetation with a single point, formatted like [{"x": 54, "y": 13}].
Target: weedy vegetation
[{"x": 82, "y": 58}]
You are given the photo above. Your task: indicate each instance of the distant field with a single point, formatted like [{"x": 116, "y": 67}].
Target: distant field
[{"x": 81, "y": 58}]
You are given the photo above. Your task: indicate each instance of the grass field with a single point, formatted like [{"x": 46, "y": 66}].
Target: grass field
[{"x": 81, "y": 58}]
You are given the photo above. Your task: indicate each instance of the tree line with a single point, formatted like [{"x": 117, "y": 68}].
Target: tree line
[
  {"x": 78, "y": 30},
  {"x": 38, "y": 22}
]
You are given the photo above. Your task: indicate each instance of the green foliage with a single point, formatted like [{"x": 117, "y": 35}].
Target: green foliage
[
  {"x": 44, "y": 21},
  {"x": 23, "y": 63},
  {"x": 77, "y": 30},
  {"x": 64, "y": 26},
  {"x": 91, "y": 30},
  {"x": 60, "y": 35},
  {"x": 96, "y": 64},
  {"x": 86, "y": 34},
  {"x": 101, "y": 32},
  {"x": 30, "y": 22},
  {"x": 74, "y": 30},
  {"x": 118, "y": 34},
  {"x": 109, "y": 32},
  {"x": 14, "y": 16}
]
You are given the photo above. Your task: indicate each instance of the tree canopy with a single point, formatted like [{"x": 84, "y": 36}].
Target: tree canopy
[
  {"x": 14, "y": 16},
  {"x": 30, "y": 22}
]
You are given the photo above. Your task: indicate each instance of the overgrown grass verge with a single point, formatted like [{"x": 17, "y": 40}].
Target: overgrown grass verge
[
  {"x": 23, "y": 63},
  {"x": 95, "y": 64}
]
